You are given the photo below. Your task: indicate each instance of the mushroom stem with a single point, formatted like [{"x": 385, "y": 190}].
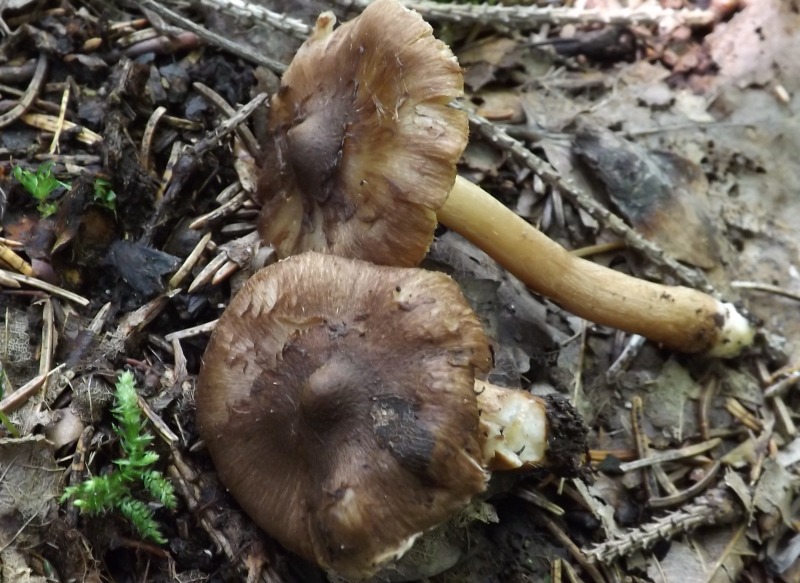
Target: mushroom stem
[{"x": 680, "y": 318}]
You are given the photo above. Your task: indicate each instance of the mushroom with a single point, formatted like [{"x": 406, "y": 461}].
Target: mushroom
[
  {"x": 337, "y": 399},
  {"x": 360, "y": 162}
]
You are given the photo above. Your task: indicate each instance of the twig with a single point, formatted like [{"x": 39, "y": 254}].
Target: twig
[
  {"x": 239, "y": 251},
  {"x": 598, "y": 248},
  {"x": 76, "y": 470},
  {"x": 642, "y": 446},
  {"x": 781, "y": 386},
  {"x": 236, "y": 229},
  {"x": 729, "y": 549},
  {"x": 783, "y": 372},
  {"x": 135, "y": 322},
  {"x": 224, "y": 272},
  {"x": 11, "y": 243},
  {"x": 190, "y": 159},
  {"x": 15, "y": 261},
  {"x": 162, "y": 43},
  {"x": 185, "y": 478},
  {"x": 230, "y": 124},
  {"x": 598, "y": 212},
  {"x": 570, "y": 570},
  {"x": 51, "y": 124},
  {"x": 672, "y": 455},
  {"x": 30, "y": 94},
  {"x": 147, "y": 137},
  {"x": 276, "y": 20},
  {"x": 242, "y": 131},
  {"x": 528, "y": 17},
  {"x": 6, "y": 281},
  {"x": 74, "y": 159},
  {"x": 18, "y": 398},
  {"x": 48, "y": 338},
  {"x": 160, "y": 426},
  {"x": 25, "y": 525},
  {"x": 224, "y": 210},
  {"x": 555, "y": 570},
  {"x": 517, "y": 16},
  {"x": 571, "y": 547},
  {"x": 228, "y": 192},
  {"x": 765, "y": 287},
  {"x": 43, "y": 285},
  {"x": 193, "y": 331},
  {"x": 784, "y": 416},
  {"x": 182, "y": 123},
  {"x": 191, "y": 485},
  {"x": 717, "y": 506},
  {"x": 176, "y": 280},
  {"x": 127, "y": 26},
  {"x": 212, "y": 37},
  {"x": 533, "y": 497},
  {"x": 141, "y": 546},
  {"x": 709, "y": 390},
  {"x": 626, "y": 357},
  {"x": 684, "y": 495},
  {"x": 577, "y": 377},
  {"x": 174, "y": 156},
  {"x": 17, "y": 73},
  {"x": 180, "y": 373},
  {"x": 137, "y": 36},
  {"x": 62, "y": 114},
  {"x": 741, "y": 414},
  {"x": 206, "y": 275},
  {"x": 48, "y": 348}
]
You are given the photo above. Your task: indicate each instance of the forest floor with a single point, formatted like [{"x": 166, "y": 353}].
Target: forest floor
[{"x": 125, "y": 259}]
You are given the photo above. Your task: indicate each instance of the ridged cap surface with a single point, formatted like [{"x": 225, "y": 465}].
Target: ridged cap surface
[{"x": 336, "y": 399}]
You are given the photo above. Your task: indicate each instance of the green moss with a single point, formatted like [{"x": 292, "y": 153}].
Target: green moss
[{"x": 116, "y": 490}]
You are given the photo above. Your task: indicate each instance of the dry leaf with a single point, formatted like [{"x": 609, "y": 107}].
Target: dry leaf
[
  {"x": 716, "y": 557},
  {"x": 661, "y": 194}
]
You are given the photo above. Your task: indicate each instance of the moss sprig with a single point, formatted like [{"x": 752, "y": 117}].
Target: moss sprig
[{"x": 115, "y": 490}]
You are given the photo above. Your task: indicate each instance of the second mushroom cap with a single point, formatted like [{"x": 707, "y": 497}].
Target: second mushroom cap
[{"x": 337, "y": 401}]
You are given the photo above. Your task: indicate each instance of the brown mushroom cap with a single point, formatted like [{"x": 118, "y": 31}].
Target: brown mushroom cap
[
  {"x": 363, "y": 145},
  {"x": 336, "y": 398}
]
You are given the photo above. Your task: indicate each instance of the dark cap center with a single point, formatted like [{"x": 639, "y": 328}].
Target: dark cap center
[{"x": 329, "y": 395}]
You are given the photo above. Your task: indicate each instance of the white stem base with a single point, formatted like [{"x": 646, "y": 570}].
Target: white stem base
[{"x": 736, "y": 333}]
